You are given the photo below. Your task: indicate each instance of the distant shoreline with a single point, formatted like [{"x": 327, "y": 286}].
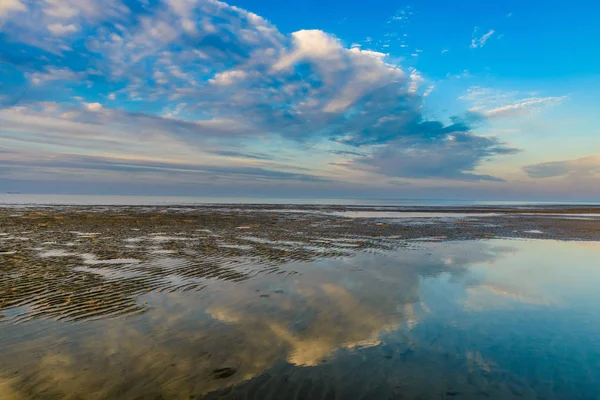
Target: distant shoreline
[
  {"x": 20, "y": 199},
  {"x": 377, "y": 211}
]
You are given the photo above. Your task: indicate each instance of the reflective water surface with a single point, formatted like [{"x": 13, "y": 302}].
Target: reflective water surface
[
  {"x": 498, "y": 319},
  {"x": 98, "y": 199}
]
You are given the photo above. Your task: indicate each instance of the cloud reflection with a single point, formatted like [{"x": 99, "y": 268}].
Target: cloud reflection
[{"x": 327, "y": 312}]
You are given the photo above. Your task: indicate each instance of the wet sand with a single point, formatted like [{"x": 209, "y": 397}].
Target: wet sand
[
  {"x": 112, "y": 285},
  {"x": 56, "y": 260}
]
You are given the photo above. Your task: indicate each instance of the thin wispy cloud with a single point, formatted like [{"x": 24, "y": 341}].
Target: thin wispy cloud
[
  {"x": 579, "y": 167},
  {"x": 480, "y": 41},
  {"x": 523, "y": 107},
  {"x": 493, "y": 103}
]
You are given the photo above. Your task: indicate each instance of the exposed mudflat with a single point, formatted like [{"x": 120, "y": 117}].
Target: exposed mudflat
[{"x": 91, "y": 262}]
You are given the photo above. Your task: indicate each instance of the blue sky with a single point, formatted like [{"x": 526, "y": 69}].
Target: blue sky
[{"x": 431, "y": 99}]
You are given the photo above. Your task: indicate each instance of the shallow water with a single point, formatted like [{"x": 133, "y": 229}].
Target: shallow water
[
  {"x": 407, "y": 214},
  {"x": 497, "y": 319},
  {"x": 75, "y": 199}
]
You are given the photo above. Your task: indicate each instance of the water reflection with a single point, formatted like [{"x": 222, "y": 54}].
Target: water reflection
[{"x": 498, "y": 319}]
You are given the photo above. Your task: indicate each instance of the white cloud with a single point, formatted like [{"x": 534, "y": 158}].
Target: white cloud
[
  {"x": 369, "y": 53},
  {"x": 478, "y": 42},
  {"x": 116, "y": 38},
  {"x": 485, "y": 38},
  {"x": 87, "y": 9},
  {"x": 60, "y": 9},
  {"x": 175, "y": 111},
  {"x": 9, "y": 6},
  {"x": 523, "y": 107},
  {"x": 189, "y": 26},
  {"x": 368, "y": 72},
  {"x": 93, "y": 106},
  {"x": 495, "y": 103},
  {"x": 428, "y": 91},
  {"x": 415, "y": 81},
  {"x": 175, "y": 71},
  {"x": 182, "y": 7},
  {"x": 58, "y": 29},
  {"x": 229, "y": 77},
  {"x": 313, "y": 45},
  {"x": 54, "y": 74},
  {"x": 60, "y": 17}
]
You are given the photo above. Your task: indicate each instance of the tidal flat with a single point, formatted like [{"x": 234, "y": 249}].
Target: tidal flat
[{"x": 299, "y": 302}]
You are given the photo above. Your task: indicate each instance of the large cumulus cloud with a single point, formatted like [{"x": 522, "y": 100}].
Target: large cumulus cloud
[{"x": 203, "y": 71}]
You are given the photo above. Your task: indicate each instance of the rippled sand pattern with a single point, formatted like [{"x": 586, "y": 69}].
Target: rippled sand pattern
[{"x": 80, "y": 264}]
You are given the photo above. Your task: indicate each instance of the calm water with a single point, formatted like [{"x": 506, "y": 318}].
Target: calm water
[
  {"x": 70, "y": 199},
  {"x": 499, "y": 319}
]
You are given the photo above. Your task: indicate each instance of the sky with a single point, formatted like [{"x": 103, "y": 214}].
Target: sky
[{"x": 433, "y": 99}]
